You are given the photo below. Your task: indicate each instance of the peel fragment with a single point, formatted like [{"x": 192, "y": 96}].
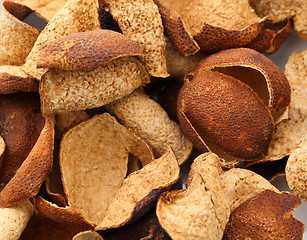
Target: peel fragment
[
  {"x": 140, "y": 191},
  {"x": 2, "y": 150},
  {"x": 91, "y": 178},
  {"x": 147, "y": 119},
  {"x": 140, "y": 21},
  {"x": 16, "y": 37},
  {"x": 75, "y": 16},
  {"x": 87, "y": 235},
  {"x": 202, "y": 210}
]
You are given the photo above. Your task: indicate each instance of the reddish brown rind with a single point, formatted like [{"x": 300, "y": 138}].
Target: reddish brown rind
[
  {"x": 226, "y": 113},
  {"x": 277, "y": 84},
  {"x": 33, "y": 171},
  {"x": 176, "y": 31},
  {"x": 64, "y": 215},
  {"x": 86, "y": 51},
  {"x": 20, "y": 127},
  {"x": 272, "y": 36},
  {"x": 267, "y": 215},
  {"x": 107, "y": 21},
  {"x": 13, "y": 84},
  {"x": 214, "y": 39}
]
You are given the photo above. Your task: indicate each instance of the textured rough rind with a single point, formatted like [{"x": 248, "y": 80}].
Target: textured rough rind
[
  {"x": 267, "y": 215},
  {"x": 202, "y": 210},
  {"x": 14, "y": 219},
  {"x": 147, "y": 119},
  {"x": 85, "y": 51},
  {"x": 72, "y": 91},
  {"x": 75, "y": 16},
  {"x": 14, "y": 80},
  {"x": 140, "y": 191},
  {"x": 140, "y": 20},
  {"x": 296, "y": 170},
  {"x": 16, "y": 37}
]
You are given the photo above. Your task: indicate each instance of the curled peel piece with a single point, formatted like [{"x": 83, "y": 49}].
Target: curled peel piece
[
  {"x": 140, "y": 20},
  {"x": 14, "y": 219},
  {"x": 148, "y": 119},
  {"x": 75, "y": 16},
  {"x": 86, "y": 51},
  {"x": 296, "y": 169},
  {"x": 33, "y": 171},
  {"x": 83, "y": 90},
  {"x": 202, "y": 210},
  {"x": 16, "y": 37},
  {"x": 267, "y": 215},
  {"x": 137, "y": 195},
  {"x": 13, "y": 80},
  {"x": 87, "y": 235},
  {"x": 92, "y": 177}
]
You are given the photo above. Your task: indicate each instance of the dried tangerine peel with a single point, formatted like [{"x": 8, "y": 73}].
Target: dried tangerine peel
[
  {"x": 148, "y": 119},
  {"x": 16, "y": 37},
  {"x": 86, "y": 51},
  {"x": 87, "y": 235},
  {"x": 241, "y": 184},
  {"x": 2, "y": 150},
  {"x": 62, "y": 90},
  {"x": 75, "y": 16},
  {"x": 289, "y": 133},
  {"x": 193, "y": 213},
  {"x": 140, "y": 191},
  {"x": 296, "y": 170},
  {"x": 266, "y": 215},
  {"x": 45, "y": 8},
  {"x": 14, "y": 219},
  {"x": 92, "y": 177},
  {"x": 140, "y": 20},
  {"x": 34, "y": 170},
  {"x": 14, "y": 80}
]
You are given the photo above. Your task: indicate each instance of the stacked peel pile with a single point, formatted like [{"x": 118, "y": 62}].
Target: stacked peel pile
[{"x": 104, "y": 106}]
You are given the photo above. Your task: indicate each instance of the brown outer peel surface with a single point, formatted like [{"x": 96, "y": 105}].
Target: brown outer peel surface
[
  {"x": 16, "y": 37},
  {"x": 86, "y": 51},
  {"x": 140, "y": 191},
  {"x": 267, "y": 215},
  {"x": 33, "y": 171},
  {"x": 13, "y": 80}
]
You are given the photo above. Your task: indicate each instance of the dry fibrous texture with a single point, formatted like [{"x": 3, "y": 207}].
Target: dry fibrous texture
[
  {"x": 252, "y": 93},
  {"x": 14, "y": 80},
  {"x": 92, "y": 177},
  {"x": 86, "y": 51},
  {"x": 87, "y": 235},
  {"x": 73, "y": 90},
  {"x": 202, "y": 210},
  {"x": 266, "y": 215},
  {"x": 75, "y": 16},
  {"x": 16, "y": 37},
  {"x": 14, "y": 219},
  {"x": 140, "y": 21},
  {"x": 290, "y": 132},
  {"x": 296, "y": 170},
  {"x": 148, "y": 119},
  {"x": 140, "y": 191},
  {"x": 241, "y": 184},
  {"x": 33, "y": 171},
  {"x": 45, "y": 8}
]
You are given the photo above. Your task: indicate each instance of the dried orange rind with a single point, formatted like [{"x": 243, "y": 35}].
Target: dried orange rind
[
  {"x": 107, "y": 21},
  {"x": 92, "y": 177},
  {"x": 2, "y": 150},
  {"x": 241, "y": 184},
  {"x": 86, "y": 51},
  {"x": 296, "y": 169},
  {"x": 45, "y": 8},
  {"x": 136, "y": 196},
  {"x": 16, "y": 37},
  {"x": 148, "y": 119},
  {"x": 87, "y": 235},
  {"x": 202, "y": 210},
  {"x": 75, "y": 16},
  {"x": 140, "y": 20},
  {"x": 32, "y": 173},
  {"x": 14, "y": 80},
  {"x": 267, "y": 215},
  {"x": 14, "y": 219}
]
